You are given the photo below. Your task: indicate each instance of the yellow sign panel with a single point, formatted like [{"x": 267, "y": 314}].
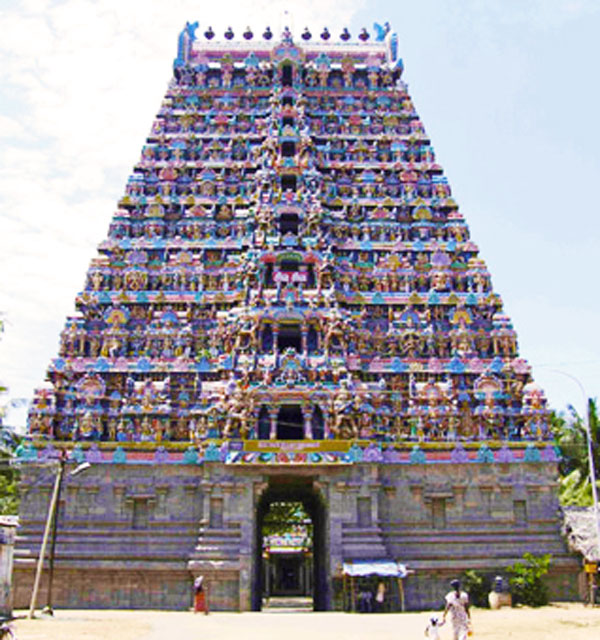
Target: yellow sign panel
[
  {"x": 297, "y": 446},
  {"x": 591, "y": 567}
]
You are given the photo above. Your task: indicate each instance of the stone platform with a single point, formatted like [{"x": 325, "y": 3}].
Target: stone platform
[{"x": 135, "y": 534}]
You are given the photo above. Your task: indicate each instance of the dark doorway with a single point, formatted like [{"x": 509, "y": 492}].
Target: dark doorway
[
  {"x": 289, "y": 266},
  {"x": 266, "y": 342},
  {"x": 287, "y": 75},
  {"x": 288, "y": 223},
  {"x": 288, "y": 149},
  {"x": 264, "y": 424},
  {"x": 318, "y": 424},
  {"x": 288, "y": 182},
  {"x": 302, "y": 568},
  {"x": 289, "y": 336},
  {"x": 290, "y": 423},
  {"x": 312, "y": 340}
]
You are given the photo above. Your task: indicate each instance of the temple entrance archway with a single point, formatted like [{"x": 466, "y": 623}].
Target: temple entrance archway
[
  {"x": 293, "y": 563},
  {"x": 290, "y": 423}
]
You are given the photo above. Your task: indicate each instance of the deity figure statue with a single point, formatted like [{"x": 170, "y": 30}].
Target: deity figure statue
[
  {"x": 335, "y": 332},
  {"x": 97, "y": 278},
  {"x": 344, "y": 424},
  {"x": 325, "y": 272},
  {"x": 246, "y": 332},
  {"x": 148, "y": 397},
  {"x": 239, "y": 412},
  {"x": 87, "y": 426},
  {"x": 313, "y": 219}
]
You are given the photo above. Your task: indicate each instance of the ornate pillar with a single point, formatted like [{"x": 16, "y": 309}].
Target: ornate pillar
[
  {"x": 307, "y": 415},
  {"x": 255, "y": 426},
  {"x": 304, "y": 347},
  {"x": 273, "y": 411}
]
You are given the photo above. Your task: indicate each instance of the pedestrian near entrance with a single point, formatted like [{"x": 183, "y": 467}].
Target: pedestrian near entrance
[
  {"x": 200, "y": 596},
  {"x": 380, "y": 597},
  {"x": 457, "y": 604}
]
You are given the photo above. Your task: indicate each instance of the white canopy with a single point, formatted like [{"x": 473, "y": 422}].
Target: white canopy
[{"x": 385, "y": 568}]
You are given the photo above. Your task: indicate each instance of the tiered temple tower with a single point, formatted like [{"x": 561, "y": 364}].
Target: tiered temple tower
[{"x": 289, "y": 297}]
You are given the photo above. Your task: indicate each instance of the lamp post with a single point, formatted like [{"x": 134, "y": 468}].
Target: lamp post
[
  {"x": 78, "y": 469},
  {"x": 51, "y": 524},
  {"x": 49, "y": 519}
]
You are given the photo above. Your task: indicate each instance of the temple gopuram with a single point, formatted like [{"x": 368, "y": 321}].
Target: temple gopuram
[{"x": 288, "y": 309}]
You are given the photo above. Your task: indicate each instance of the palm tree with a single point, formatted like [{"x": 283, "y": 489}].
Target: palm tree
[{"x": 570, "y": 434}]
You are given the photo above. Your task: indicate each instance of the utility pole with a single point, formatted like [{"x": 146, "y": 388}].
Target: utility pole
[
  {"x": 52, "y": 527},
  {"x": 49, "y": 522},
  {"x": 62, "y": 462},
  {"x": 594, "y": 494}
]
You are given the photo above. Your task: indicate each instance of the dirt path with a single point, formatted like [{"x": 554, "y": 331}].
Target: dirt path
[{"x": 561, "y": 621}]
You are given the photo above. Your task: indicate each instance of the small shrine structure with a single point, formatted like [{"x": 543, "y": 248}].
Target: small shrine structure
[{"x": 288, "y": 307}]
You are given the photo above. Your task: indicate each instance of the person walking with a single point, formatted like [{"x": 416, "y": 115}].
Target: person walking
[
  {"x": 200, "y": 596},
  {"x": 457, "y": 604},
  {"x": 432, "y": 631}
]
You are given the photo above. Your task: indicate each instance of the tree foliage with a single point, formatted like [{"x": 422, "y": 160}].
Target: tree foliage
[
  {"x": 571, "y": 437},
  {"x": 526, "y": 580},
  {"x": 286, "y": 517},
  {"x": 478, "y": 586},
  {"x": 9, "y": 497},
  {"x": 9, "y": 476}
]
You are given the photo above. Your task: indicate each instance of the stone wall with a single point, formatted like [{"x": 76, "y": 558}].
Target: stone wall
[{"x": 135, "y": 536}]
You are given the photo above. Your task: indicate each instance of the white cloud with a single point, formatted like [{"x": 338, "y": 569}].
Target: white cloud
[{"x": 82, "y": 81}]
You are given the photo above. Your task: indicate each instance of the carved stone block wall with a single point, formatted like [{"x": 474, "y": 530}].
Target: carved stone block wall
[{"x": 138, "y": 536}]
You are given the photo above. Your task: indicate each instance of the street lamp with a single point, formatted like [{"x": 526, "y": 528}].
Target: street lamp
[
  {"x": 52, "y": 522},
  {"x": 78, "y": 469}
]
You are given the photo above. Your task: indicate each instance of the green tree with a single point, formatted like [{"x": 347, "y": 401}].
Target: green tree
[
  {"x": 571, "y": 437},
  {"x": 478, "y": 586},
  {"x": 526, "y": 580},
  {"x": 9, "y": 476},
  {"x": 285, "y": 517}
]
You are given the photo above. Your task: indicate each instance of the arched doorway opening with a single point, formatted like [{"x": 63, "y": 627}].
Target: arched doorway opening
[
  {"x": 287, "y": 534},
  {"x": 289, "y": 222},
  {"x": 294, "y": 564},
  {"x": 287, "y": 75},
  {"x": 290, "y": 423},
  {"x": 289, "y": 336}
]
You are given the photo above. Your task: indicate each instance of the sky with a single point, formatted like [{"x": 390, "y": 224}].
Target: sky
[{"x": 507, "y": 90}]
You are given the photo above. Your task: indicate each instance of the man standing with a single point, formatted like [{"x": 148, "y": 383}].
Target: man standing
[{"x": 457, "y": 603}]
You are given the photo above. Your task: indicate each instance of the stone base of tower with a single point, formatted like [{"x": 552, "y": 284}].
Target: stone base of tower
[
  {"x": 111, "y": 587},
  {"x": 136, "y": 535},
  {"x": 226, "y": 585}
]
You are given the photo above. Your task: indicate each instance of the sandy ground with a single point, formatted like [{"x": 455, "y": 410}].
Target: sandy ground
[{"x": 561, "y": 621}]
